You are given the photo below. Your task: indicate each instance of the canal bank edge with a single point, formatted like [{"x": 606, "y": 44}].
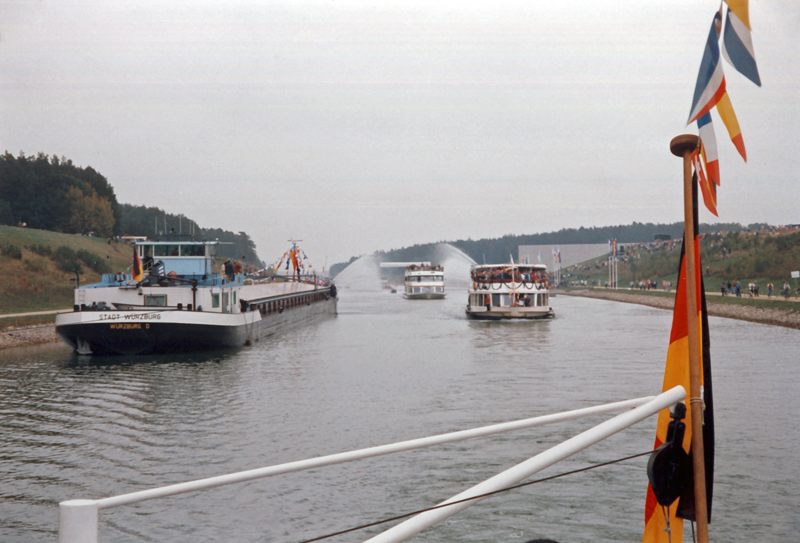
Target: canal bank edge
[
  {"x": 785, "y": 317},
  {"x": 24, "y": 336}
]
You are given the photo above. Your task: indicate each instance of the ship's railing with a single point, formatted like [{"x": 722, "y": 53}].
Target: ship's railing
[{"x": 79, "y": 519}]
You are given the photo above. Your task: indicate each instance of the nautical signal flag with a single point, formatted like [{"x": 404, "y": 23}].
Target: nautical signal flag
[
  {"x": 710, "y": 91},
  {"x": 725, "y": 110},
  {"x": 676, "y": 372},
  {"x": 138, "y": 272},
  {"x": 737, "y": 43},
  {"x": 710, "y": 84}
]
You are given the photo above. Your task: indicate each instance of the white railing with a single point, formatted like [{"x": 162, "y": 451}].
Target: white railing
[{"x": 78, "y": 519}]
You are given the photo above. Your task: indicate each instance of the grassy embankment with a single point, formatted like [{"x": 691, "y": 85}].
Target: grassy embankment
[
  {"x": 30, "y": 281},
  {"x": 760, "y": 257}
]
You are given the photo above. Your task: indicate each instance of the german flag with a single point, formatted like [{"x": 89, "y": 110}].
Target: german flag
[
  {"x": 138, "y": 273},
  {"x": 676, "y": 373}
]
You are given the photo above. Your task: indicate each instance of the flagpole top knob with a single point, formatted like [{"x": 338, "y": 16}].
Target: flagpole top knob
[{"x": 682, "y": 144}]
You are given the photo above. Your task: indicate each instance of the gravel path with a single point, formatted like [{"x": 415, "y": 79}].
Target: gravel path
[{"x": 776, "y": 317}]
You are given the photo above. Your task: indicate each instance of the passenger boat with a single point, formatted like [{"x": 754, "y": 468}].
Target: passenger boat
[
  {"x": 509, "y": 291},
  {"x": 424, "y": 281},
  {"x": 176, "y": 302}
]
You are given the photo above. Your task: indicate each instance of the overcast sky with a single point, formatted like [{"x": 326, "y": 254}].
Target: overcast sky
[{"x": 357, "y": 126}]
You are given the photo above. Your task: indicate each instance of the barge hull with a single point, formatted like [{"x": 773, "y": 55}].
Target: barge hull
[{"x": 140, "y": 332}]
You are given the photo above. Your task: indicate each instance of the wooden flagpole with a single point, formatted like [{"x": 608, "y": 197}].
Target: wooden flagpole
[{"x": 683, "y": 146}]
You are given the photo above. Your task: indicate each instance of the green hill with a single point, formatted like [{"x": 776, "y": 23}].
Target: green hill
[
  {"x": 761, "y": 256},
  {"x": 33, "y": 280}
]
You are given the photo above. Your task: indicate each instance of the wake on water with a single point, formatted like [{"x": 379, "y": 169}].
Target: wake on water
[{"x": 365, "y": 273}]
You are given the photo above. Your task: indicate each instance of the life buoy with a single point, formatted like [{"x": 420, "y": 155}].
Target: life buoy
[
  {"x": 172, "y": 275},
  {"x": 119, "y": 277}
]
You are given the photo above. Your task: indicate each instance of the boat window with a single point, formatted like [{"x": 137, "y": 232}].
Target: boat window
[
  {"x": 215, "y": 300},
  {"x": 146, "y": 250},
  {"x": 496, "y": 300},
  {"x": 155, "y": 300},
  {"x": 225, "y": 299},
  {"x": 167, "y": 250},
  {"x": 234, "y": 297},
  {"x": 193, "y": 250}
]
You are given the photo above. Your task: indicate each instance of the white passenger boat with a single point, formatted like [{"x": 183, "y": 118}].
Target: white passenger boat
[
  {"x": 509, "y": 291},
  {"x": 177, "y": 303},
  {"x": 424, "y": 281}
]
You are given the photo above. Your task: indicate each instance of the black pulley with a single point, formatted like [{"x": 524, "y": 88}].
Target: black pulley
[{"x": 669, "y": 468}]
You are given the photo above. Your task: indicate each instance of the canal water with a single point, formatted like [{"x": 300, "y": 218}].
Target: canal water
[{"x": 384, "y": 370}]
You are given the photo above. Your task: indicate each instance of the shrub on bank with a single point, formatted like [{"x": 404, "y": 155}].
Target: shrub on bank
[
  {"x": 67, "y": 259},
  {"x": 95, "y": 262},
  {"x": 42, "y": 250},
  {"x": 11, "y": 251}
]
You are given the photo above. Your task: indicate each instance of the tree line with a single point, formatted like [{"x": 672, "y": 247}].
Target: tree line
[
  {"x": 153, "y": 222},
  {"x": 51, "y": 193},
  {"x": 497, "y": 250}
]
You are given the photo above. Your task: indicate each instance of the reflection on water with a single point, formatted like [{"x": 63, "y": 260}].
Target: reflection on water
[
  {"x": 515, "y": 336},
  {"x": 384, "y": 370}
]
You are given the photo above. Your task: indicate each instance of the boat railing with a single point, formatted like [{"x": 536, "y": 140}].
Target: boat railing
[
  {"x": 79, "y": 519},
  {"x": 275, "y": 278},
  {"x": 513, "y": 285}
]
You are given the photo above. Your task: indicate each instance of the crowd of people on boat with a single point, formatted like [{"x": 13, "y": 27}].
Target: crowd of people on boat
[
  {"x": 507, "y": 275},
  {"x": 424, "y": 267}
]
